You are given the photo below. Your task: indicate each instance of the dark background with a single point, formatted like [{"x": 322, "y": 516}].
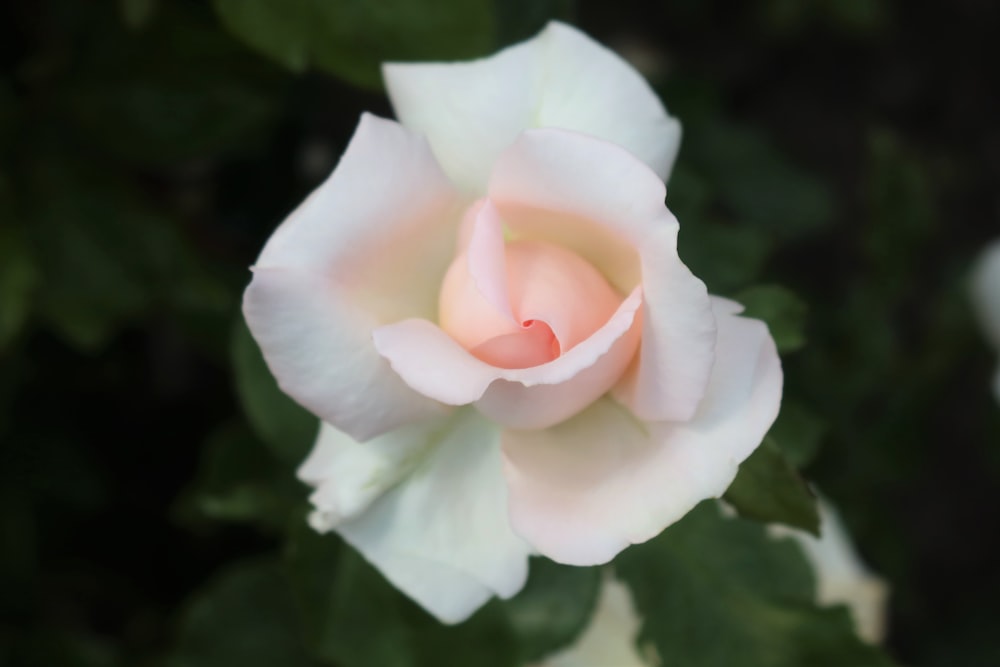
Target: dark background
[{"x": 846, "y": 150}]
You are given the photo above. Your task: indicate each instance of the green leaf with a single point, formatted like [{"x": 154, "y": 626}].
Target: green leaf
[
  {"x": 767, "y": 488},
  {"x": 798, "y": 431},
  {"x": 755, "y": 182},
  {"x": 105, "y": 257},
  {"x": 351, "y": 38},
  {"x": 717, "y": 592},
  {"x": 245, "y": 617},
  {"x": 137, "y": 13},
  {"x": 554, "y": 606},
  {"x": 285, "y": 426},
  {"x": 726, "y": 257},
  {"x": 18, "y": 279},
  {"x": 179, "y": 88},
  {"x": 784, "y": 313},
  {"x": 239, "y": 480},
  {"x": 518, "y": 20},
  {"x": 343, "y": 598}
]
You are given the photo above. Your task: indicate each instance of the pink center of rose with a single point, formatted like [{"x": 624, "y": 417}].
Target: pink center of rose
[{"x": 523, "y": 303}]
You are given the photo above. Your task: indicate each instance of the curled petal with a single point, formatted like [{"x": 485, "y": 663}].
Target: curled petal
[
  {"x": 349, "y": 475},
  {"x": 596, "y": 199},
  {"x": 583, "y": 490},
  {"x": 369, "y": 246},
  {"x": 441, "y": 535},
  {"x": 432, "y": 363},
  {"x": 471, "y": 111}
]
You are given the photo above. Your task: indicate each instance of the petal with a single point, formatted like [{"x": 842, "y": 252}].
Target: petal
[
  {"x": 383, "y": 225},
  {"x": 582, "y": 491},
  {"x": 985, "y": 288},
  {"x": 486, "y": 261},
  {"x": 549, "y": 181},
  {"x": 471, "y": 111},
  {"x": 349, "y": 475},
  {"x": 442, "y": 535},
  {"x": 432, "y": 363},
  {"x": 369, "y": 246},
  {"x": 318, "y": 345}
]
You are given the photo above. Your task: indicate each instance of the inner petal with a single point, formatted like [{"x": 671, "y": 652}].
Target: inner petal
[{"x": 533, "y": 345}]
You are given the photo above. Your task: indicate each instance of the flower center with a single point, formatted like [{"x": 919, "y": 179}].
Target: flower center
[{"x": 528, "y": 309}]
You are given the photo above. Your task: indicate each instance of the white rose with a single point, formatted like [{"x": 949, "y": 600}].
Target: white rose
[{"x": 485, "y": 307}]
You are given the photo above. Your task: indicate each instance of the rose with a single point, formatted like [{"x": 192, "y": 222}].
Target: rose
[
  {"x": 496, "y": 331},
  {"x": 986, "y": 299}
]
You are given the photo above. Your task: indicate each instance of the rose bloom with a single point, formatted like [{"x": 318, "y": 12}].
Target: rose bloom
[
  {"x": 485, "y": 307},
  {"x": 986, "y": 299}
]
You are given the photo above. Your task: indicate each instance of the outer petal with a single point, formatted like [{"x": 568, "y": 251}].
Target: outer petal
[
  {"x": 369, "y": 246},
  {"x": 442, "y": 534},
  {"x": 582, "y": 491},
  {"x": 349, "y": 476},
  {"x": 471, "y": 111},
  {"x": 565, "y": 178},
  {"x": 432, "y": 363}
]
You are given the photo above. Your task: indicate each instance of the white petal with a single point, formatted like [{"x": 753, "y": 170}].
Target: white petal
[
  {"x": 561, "y": 78},
  {"x": 568, "y": 179},
  {"x": 349, "y": 475},
  {"x": 582, "y": 491},
  {"x": 442, "y": 535},
  {"x": 369, "y": 246},
  {"x": 841, "y": 577},
  {"x": 986, "y": 292}
]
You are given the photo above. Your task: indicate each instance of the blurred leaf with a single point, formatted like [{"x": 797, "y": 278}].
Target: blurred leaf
[
  {"x": 18, "y": 278},
  {"x": 717, "y": 592},
  {"x": 755, "y": 182},
  {"x": 901, "y": 212},
  {"x": 137, "y": 13},
  {"x": 767, "y": 488},
  {"x": 179, "y": 89},
  {"x": 285, "y": 426},
  {"x": 798, "y": 432},
  {"x": 101, "y": 253},
  {"x": 782, "y": 311},
  {"x": 351, "y": 38},
  {"x": 518, "y": 20},
  {"x": 554, "y": 606},
  {"x": 240, "y": 480},
  {"x": 245, "y": 617},
  {"x": 343, "y": 599},
  {"x": 726, "y": 257}
]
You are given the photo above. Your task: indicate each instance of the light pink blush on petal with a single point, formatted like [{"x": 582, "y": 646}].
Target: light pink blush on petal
[{"x": 554, "y": 299}]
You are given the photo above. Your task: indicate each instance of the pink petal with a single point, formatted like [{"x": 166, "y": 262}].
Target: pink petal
[
  {"x": 583, "y": 490},
  {"x": 486, "y": 259},
  {"x": 369, "y": 246},
  {"x": 471, "y": 111},
  {"x": 434, "y": 364},
  {"x": 596, "y": 199}
]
